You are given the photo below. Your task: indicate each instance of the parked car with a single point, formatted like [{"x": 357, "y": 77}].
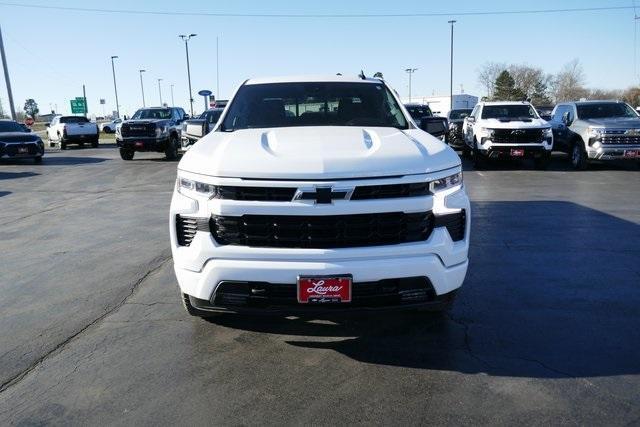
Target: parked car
[
  {"x": 596, "y": 130},
  {"x": 65, "y": 130},
  {"x": 110, "y": 127},
  {"x": 545, "y": 111},
  {"x": 418, "y": 111},
  {"x": 16, "y": 143},
  {"x": 456, "y": 121},
  {"x": 318, "y": 194},
  {"x": 194, "y": 129},
  {"x": 507, "y": 130},
  {"x": 151, "y": 129}
]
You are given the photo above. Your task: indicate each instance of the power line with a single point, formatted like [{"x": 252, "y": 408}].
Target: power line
[{"x": 316, "y": 15}]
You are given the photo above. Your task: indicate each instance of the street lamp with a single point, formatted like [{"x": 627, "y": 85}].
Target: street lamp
[
  {"x": 410, "y": 71},
  {"x": 173, "y": 104},
  {"x": 186, "y": 49},
  {"x": 160, "y": 91},
  {"x": 115, "y": 87},
  {"x": 451, "y": 69},
  {"x": 142, "y": 87}
]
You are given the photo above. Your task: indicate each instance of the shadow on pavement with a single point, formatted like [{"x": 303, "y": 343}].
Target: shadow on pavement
[
  {"x": 15, "y": 175},
  {"x": 69, "y": 161},
  {"x": 4, "y": 193},
  {"x": 552, "y": 292}
]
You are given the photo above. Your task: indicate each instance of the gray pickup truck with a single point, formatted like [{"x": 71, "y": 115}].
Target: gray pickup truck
[{"x": 596, "y": 130}]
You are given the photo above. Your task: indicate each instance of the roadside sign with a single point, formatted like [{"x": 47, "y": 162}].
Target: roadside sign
[
  {"x": 28, "y": 121},
  {"x": 205, "y": 92},
  {"x": 102, "y": 101},
  {"x": 78, "y": 106}
]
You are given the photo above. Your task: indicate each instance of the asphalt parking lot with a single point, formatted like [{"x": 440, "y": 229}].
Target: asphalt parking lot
[{"x": 545, "y": 330}]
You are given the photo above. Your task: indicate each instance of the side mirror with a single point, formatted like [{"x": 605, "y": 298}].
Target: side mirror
[
  {"x": 185, "y": 117},
  {"x": 436, "y": 126},
  {"x": 48, "y": 125},
  {"x": 566, "y": 119},
  {"x": 471, "y": 119}
]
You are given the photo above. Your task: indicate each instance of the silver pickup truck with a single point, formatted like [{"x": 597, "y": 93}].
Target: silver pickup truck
[{"x": 596, "y": 130}]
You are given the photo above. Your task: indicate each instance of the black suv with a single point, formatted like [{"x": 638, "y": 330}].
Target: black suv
[{"x": 151, "y": 129}]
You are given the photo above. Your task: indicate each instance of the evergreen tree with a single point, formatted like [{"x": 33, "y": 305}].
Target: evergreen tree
[{"x": 505, "y": 88}]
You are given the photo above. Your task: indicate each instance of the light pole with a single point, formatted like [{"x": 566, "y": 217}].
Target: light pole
[
  {"x": 173, "y": 104},
  {"x": 115, "y": 87},
  {"x": 451, "y": 69},
  {"x": 160, "y": 91},
  {"x": 217, "y": 70},
  {"x": 186, "y": 49},
  {"x": 6, "y": 78},
  {"x": 410, "y": 71},
  {"x": 142, "y": 87}
]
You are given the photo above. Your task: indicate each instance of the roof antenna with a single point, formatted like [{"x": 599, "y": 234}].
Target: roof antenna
[
  {"x": 338, "y": 74},
  {"x": 361, "y": 75}
]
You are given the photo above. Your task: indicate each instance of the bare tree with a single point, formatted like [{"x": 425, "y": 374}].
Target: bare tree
[
  {"x": 532, "y": 81},
  {"x": 632, "y": 96},
  {"x": 568, "y": 84},
  {"x": 603, "y": 94},
  {"x": 1, "y": 109},
  {"x": 487, "y": 75}
]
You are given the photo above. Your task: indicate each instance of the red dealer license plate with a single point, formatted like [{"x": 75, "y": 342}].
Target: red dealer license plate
[
  {"x": 632, "y": 153},
  {"x": 517, "y": 152},
  {"x": 324, "y": 289}
]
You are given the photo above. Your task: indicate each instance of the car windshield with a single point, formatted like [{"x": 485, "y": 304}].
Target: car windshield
[
  {"x": 509, "y": 112},
  {"x": 74, "y": 119},
  {"x": 152, "y": 113},
  {"x": 419, "y": 111},
  {"x": 8, "y": 126},
  {"x": 605, "y": 110},
  {"x": 459, "y": 114},
  {"x": 313, "y": 104},
  {"x": 213, "y": 116}
]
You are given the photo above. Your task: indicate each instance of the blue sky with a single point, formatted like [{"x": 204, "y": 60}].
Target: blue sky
[{"x": 51, "y": 53}]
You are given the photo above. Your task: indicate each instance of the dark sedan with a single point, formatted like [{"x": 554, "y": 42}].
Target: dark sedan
[
  {"x": 16, "y": 143},
  {"x": 456, "y": 119}
]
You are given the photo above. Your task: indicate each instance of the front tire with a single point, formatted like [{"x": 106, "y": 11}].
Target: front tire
[
  {"x": 126, "y": 153},
  {"x": 579, "y": 159},
  {"x": 171, "y": 152},
  {"x": 63, "y": 143},
  {"x": 479, "y": 161},
  {"x": 96, "y": 142},
  {"x": 37, "y": 160}
]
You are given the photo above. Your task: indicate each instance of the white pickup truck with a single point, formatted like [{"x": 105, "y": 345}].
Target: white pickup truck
[{"x": 65, "y": 130}]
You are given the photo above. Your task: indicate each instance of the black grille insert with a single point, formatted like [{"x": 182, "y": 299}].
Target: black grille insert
[
  {"x": 322, "y": 232},
  {"x": 517, "y": 136},
  {"x": 186, "y": 228},
  {"x": 455, "y": 224},
  {"x": 146, "y": 130},
  {"x": 409, "y": 290},
  {"x": 368, "y": 192},
  {"x": 259, "y": 194}
]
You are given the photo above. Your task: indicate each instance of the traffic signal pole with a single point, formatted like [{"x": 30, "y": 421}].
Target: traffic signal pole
[{"x": 6, "y": 77}]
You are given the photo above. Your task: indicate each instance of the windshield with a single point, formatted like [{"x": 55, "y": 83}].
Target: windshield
[
  {"x": 509, "y": 112},
  {"x": 459, "y": 114},
  {"x": 7, "y": 126},
  {"x": 213, "y": 116},
  {"x": 74, "y": 119},
  {"x": 605, "y": 110},
  {"x": 313, "y": 104},
  {"x": 419, "y": 111},
  {"x": 152, "y": 113}
]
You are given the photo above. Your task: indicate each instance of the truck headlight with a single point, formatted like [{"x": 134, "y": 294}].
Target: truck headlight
[
  {"x": 191, "y": 188},
  {"x": 547, "y": 133},
  {"x": 447, "y": 182},
  {"x": 162, "y": 131},
  {"x": 595, "y": 132}
]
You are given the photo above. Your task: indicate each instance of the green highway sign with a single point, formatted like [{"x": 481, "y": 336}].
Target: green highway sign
[{"x": 78, "y": 105}]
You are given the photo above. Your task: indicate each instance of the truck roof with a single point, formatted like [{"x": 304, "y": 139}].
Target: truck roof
[
  {"x": 312, "y": 79},
  {"x": 505, "y": 103}
]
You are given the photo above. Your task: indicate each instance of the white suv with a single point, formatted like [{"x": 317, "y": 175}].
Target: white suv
[
  {"x": 507, "y": 130},
  {"x": 318, "y": 194}
]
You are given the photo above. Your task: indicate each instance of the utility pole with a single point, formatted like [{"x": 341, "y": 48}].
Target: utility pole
[
  {"x": 173, "y": 104},
  {"x": 115, "y": 87},
  {"x": 217, "y": 70},
  {"x": 451, "y": 69},
  {"x": 186, "y": 49},
  {"x": 6, "y": 77},
  {"x": 160, "y": 91},
  {"x": 142, "y": 87},
  {"x": 410, "y": 71}
]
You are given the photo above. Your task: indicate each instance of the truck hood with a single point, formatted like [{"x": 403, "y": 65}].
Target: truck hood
[
  {"x": 318, "y": 153},
  {"x": 514, "y": 124},
  {"x": 616, "y": 122}
]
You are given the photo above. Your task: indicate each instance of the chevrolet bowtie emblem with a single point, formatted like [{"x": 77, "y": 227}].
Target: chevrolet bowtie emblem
[{"x": 323, "y": 195}]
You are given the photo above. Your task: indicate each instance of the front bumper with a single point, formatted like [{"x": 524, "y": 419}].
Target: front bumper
[
  {"x": 537, "y": 149},
  {"x": 143, "y": 143},
  {"x": 599, "y": 151},
  {"x": 202, "y": 266},
  {"x": 21, "y": 150}
]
